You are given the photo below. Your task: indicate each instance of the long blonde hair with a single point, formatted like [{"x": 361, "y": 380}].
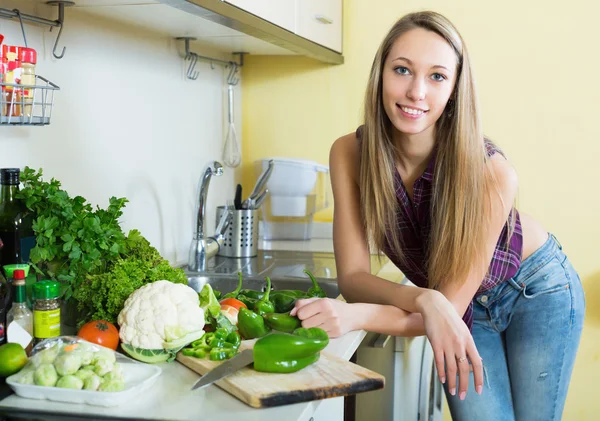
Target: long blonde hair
[{"x": 459, "y": 206}]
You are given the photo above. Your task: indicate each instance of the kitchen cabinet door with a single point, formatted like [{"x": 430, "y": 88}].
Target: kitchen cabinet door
[
  {"x": 279, "y": 12},
  {"x": 320, "y": 21},
  {"x": 377, "y": 353}
]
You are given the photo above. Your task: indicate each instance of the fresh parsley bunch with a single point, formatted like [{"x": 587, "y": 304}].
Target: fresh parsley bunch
[{"x": 86, "y": 250}]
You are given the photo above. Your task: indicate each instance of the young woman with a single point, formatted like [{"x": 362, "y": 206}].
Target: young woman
[{"x": 495, "y": 295}]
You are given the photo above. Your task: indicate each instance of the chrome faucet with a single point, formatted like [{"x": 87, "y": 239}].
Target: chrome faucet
[{"x": 203, "y": 247}]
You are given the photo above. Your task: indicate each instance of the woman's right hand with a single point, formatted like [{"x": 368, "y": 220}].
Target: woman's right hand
[{"x": 452, "y": 343}]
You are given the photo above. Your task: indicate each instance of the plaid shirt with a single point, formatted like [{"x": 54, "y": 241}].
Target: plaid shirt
[{"x": 414, "y": 223}]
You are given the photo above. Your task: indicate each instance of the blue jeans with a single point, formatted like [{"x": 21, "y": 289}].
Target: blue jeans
[{"x": 527, "y": 331}]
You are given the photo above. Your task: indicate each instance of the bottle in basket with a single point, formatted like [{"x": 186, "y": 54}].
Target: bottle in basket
[{"x": 28, "y": 62}]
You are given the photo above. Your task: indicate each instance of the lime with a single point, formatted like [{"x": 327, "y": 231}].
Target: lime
[{"x": 12, "y": 359}]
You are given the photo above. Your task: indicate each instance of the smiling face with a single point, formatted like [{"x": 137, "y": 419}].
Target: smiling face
[{"x": 418, "y": 78}]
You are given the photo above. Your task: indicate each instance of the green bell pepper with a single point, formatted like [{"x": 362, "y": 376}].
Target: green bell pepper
[
  {"x": 250, "y": 293},
  {"x": 316, "y": 290},
  {"x": 312, "y": 333},
  {"x": 235, "y": 292},
  {"x": 287, "y": 353},
  {"x": 263, "y": 305},
  {"x": 250, "y": 302},
  {"x": 284, "y": 300},
  {"x": 282, "y": 322},
  {"x": 251, "y": 325}
]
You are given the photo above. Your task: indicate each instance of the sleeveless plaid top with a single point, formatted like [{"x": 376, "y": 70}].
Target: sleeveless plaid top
[{"x": 414, "y": 224}]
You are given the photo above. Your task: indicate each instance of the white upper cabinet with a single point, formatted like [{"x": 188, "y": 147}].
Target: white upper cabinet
[
  {"x": 278, "y": 12},
  {"x": 320, "y": 21}
]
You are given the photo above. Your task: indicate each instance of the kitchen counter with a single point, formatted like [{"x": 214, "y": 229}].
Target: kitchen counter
[{"x": 171, "y": 397}]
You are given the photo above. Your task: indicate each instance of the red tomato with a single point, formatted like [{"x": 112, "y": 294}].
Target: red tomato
[
  {"x": 230, "y": 312},
  {"x": 100, "y": 332},
  {"x": 233, "y": 303}
]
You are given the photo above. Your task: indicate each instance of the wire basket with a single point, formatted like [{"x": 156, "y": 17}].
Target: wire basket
[{"x": 27, "y": 105}]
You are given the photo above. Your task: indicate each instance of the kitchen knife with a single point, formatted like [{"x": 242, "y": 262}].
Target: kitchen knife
[{"x": 226, "y": 368}]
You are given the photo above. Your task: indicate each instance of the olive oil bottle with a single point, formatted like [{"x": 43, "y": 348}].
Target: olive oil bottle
[{"x": 16, "y": 236}]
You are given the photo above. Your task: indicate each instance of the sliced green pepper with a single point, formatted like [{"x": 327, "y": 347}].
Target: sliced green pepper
[
  {"x": 221, "y": 333},
  {"x": 287, "y": 353},
  {"x": 234, "y": 339},
  {"x": 235, "y": 292},
  {"x": 251, "y": 325},
  {"x": 220, "y": 354},
  {"x": 263, "y": 305},
  {"x": 282, "y": 322},
  {"x": 197, "y": 353},
  {"x": 316, "y": 290},
  {"x": 203, "y": 341}
]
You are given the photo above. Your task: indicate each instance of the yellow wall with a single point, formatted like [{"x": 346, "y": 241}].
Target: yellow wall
[{"x": 536, "y": 65}]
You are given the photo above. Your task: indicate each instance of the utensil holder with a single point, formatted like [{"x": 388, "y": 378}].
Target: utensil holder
[{"x": 241, "y": 237}]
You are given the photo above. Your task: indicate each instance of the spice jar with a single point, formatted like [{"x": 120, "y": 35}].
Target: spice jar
[
  {"x": 46, "y": 310},
  {"x": 12, "y": 94},
  {"x": 28, "y": 58}
]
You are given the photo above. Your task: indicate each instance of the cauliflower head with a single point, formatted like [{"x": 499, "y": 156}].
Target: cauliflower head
[{"x": 159, "y": 314}]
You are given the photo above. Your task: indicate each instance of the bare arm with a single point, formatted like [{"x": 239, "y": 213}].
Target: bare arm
[{"x": 350, "y": 244}]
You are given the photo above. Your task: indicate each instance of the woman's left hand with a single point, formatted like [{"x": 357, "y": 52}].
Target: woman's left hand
[{"x": 333, "y": 316}]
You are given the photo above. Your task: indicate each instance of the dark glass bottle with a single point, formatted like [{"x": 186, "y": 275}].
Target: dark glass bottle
[
  {"x": 16, "y": 232},
  {"x": 16, "y": 236},
  {"x": 5, "y": 299}
]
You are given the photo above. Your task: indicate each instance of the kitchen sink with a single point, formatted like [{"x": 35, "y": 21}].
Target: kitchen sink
[{"x": 228, "y": 283}]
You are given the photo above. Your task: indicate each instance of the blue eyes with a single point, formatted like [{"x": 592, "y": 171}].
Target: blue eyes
[{"x": 401, "y": 70}]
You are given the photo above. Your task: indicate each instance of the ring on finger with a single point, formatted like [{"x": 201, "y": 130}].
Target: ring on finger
[{"x": 462, "y": 359}]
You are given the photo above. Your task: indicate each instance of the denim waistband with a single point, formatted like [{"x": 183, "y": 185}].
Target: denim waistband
[{"x": 540, "y": 257}]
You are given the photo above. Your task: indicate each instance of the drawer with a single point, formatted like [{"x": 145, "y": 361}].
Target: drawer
[
  {"x": 320, "y": 21},
  {"x": 278, "y": 12}
]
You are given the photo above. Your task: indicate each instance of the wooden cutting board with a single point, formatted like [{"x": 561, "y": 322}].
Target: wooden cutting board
[{"x": 329, "y": 377}]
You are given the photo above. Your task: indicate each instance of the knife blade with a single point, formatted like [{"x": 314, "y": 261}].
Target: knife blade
[{"x": 226, "y": 368}]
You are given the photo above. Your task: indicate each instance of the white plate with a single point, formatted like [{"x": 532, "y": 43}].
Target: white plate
[{"x": 138, "y": 378}]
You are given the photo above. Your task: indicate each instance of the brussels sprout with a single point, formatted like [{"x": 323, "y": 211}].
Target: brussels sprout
[
  {"x": 70, "y": 382},
  {"x": 45, "y": 375},
  {"x": 104, "y": 354},
  {"x": 92, "y": 383},
  {"x": 84, "y": 373},
  {"x": 86, "y": 356},
  {"x": 90, "y": 367},
  {"x": 115, "y": 374},
  {"x": 26, "y": 377},
  {"x": 45, "y": 356},
  {"x": 112, "y": 386},
  {"x": 68, "y": 363},
  {"x": 103, "y": 367}
]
